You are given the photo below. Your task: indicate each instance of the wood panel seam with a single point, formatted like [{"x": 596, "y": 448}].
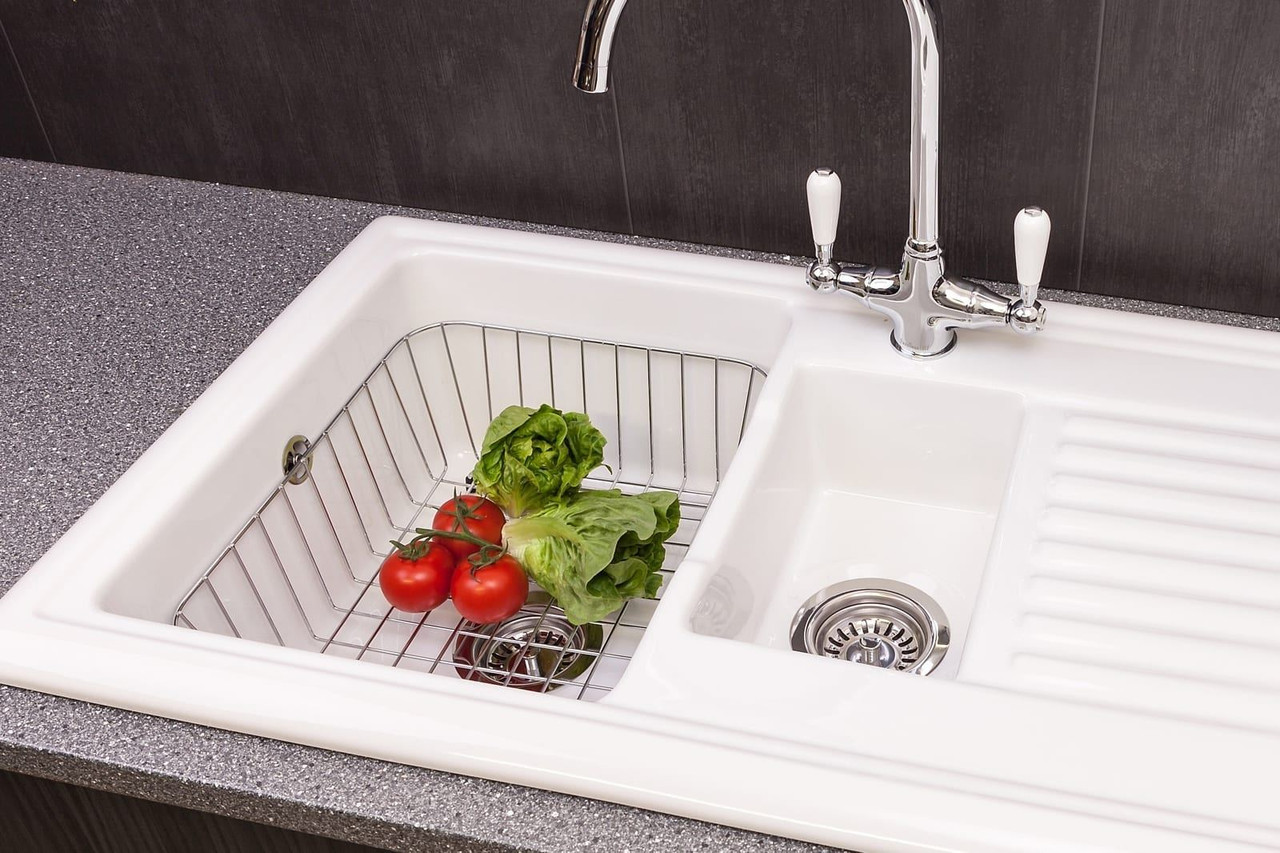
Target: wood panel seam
[
  {"x": 26, "y": 89},
  {"x": 622, "y": 161},
  {"x": 1088, "y": 153}
]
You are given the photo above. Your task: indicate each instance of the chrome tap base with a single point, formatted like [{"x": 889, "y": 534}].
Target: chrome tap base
[
  {"x": 925, "y": 303},
  {"x": 921, "y": 356}
]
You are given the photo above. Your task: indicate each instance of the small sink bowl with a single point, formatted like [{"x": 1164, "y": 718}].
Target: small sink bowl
[
  {"x": 865, "y": 477},
  {"x": 1093, "y": 510}
]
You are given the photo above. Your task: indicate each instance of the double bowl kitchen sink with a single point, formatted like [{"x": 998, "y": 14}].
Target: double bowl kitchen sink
[{"x": 1076, "y": 536}]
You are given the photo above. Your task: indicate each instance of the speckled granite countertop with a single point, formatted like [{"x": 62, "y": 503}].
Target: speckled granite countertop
[{"x": 121, "y": 298}]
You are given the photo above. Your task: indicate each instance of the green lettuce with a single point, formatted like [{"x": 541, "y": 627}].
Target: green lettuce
[
  {"x": 594, "y": 550},
  {"x": 532, "y": 457}
]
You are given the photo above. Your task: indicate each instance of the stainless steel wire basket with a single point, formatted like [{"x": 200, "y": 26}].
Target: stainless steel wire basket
[{"x": 302, "y": 570}]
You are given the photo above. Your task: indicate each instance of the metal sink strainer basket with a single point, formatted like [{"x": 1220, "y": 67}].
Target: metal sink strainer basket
[{"x": 302, "y": 570}]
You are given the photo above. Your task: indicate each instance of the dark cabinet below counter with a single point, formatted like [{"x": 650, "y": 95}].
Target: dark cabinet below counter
[{"x": 39, "y": 816}]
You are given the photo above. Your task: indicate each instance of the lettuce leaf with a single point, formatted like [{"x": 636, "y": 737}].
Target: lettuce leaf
[
  {"x": 650, "y": 550},
  {"x": 594, "y": 550},
  {"x": 531, "y": 457}
]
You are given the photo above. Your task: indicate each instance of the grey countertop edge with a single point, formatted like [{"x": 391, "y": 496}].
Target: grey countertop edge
[
  {"x": 121, "y": 297},
  {"x": 235, "y": 802}
]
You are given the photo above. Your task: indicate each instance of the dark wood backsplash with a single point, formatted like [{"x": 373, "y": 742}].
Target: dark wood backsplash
[{"x": 1150, "y": 129}]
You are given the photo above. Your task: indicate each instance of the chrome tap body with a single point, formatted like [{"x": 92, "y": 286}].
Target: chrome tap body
[{"x": 925, "y": 303}]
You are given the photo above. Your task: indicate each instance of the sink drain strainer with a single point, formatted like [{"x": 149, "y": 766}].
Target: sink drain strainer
[
  {"x": 537, "y": 650},
  {"x": 873, "y": 621}
]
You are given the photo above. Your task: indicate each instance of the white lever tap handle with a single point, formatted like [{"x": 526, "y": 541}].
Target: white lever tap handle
[
  {"x": 824, "y": 205},
  {"x": 1031, "y": 230}
]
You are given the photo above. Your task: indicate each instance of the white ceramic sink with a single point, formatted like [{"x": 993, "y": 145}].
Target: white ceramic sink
[{"x": 1097, "y": 509}]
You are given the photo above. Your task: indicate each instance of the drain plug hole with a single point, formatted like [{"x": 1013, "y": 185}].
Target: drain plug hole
[{"x": 875, "y": 622}]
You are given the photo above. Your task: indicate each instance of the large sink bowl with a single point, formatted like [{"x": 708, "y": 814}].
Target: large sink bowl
[{"x": 1094, "y": 510}]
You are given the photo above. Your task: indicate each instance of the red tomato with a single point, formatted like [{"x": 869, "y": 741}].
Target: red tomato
[
  {"x": 490, "y": 593},
  {"x": 417, "y": 586},
  {"x": 480, "y": 517}
]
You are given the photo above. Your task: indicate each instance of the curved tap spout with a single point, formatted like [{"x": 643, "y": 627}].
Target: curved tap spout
[
  {"x": 599, "y": 24},
  {"x": 591, "y": 74}
]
